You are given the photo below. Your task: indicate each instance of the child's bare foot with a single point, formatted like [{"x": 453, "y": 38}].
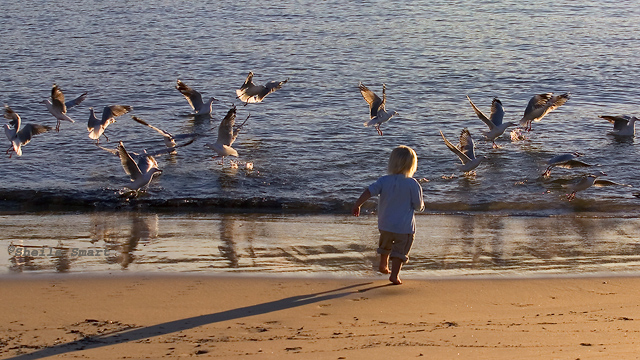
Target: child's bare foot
[
  {"x": 395, "y": 280},
  {"x": 384, "y": 269}
]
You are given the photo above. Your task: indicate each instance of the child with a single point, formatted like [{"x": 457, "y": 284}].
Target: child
[{"x": 400, "y": 194}]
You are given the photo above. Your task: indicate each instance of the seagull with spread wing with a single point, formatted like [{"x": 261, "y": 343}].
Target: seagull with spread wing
[
  {"x": 58, "y": 107},
  {"x": 377, "y": 107},
  {"x": 465, "y": 151},
  {"x": 588, "y": 181},
  {"x": 623, "y": 125},
  {"x": 109, "y": 114},
  {"x": 194, "y": 98},
  {"x": 141, "y": 172},
  {"x": 169, "y": 139},
  {"x": 252, "y": 93},
  {"x": 227, "y": 134},
  {"x": 540, "y": 105},
  {"x": 494, "y": 121},
  {"x": 566, "y": 161},
  {"x": 20, "y": 137}
]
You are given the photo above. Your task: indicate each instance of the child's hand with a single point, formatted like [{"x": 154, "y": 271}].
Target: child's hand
[{"x": 356, "y": 211}]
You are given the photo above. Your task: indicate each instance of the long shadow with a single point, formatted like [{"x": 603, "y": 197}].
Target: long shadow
[{"x": 190, "y": 323}]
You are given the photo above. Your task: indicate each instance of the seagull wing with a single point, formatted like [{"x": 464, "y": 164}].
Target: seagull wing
[
  {"x": 57, "y": 99},
  {"x": 463, "y": 157},
  {"x": 71, "y": 103},
  {"x": 497, "y": 112},
  {"x": 602, "y": 182},
  {"x": 113, "y": 111},
  {"x": 162, "y": 132},
  {"x": 481, "y": 115},
  {"x": 193, "y": 97},
  {"x": 12, "y": 116},
  {"x": 225, "y": 130},
  {"x": 372, "y": 99},
  {"x": 619, "y": 122},
  {"x": 30, "y": 130},
  {"x": 128, "y": 164},
  {"x": 466, "y": 144},
  {"x": 572, "y": 164},
  {"x": 169, "y": 150},
  {"x": 248, "y": 82},
  {"x": 272, "y": 86}
]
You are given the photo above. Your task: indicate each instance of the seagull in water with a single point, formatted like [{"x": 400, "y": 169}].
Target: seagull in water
[
  {"x": 465, "y": 151},
  {"x": 379, "y": 114},
  {"x": 227, "y": 135},
  {"x": 566, "y": 161},
  {"x": 540, "y": 105},
  {"x": 494, "y": 121},
  {"x": 20, "y": 137},
  {"x": 58, "y": 107},
  {"x": 169, "y": 139},
  {"x": 587, "y": 182},
  {"x": 141, "y": 172},
  {"x": 623, "y": 125},
  {"x": 252, "y": 93},
  {"x": 195, "y": 99},
  {"x": 109, "y": 114}
]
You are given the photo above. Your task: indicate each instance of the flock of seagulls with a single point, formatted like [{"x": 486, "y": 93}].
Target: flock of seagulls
[
  {"x": 141, "y": 168},
  {"x": 538, "y": 107}
]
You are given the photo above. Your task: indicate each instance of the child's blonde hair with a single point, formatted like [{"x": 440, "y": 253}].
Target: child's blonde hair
[{"x": 403, "y": 160}]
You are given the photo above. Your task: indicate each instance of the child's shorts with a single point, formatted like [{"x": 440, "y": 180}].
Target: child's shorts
[{"x": 396, "y": 245}]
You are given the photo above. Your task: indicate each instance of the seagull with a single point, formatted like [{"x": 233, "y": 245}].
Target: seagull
[
  {"x": 540, "y": 105},
  {"x": 587, "y": 182},
  {"x": 379, "y": 114},
  {"x": 17, "y": 136},
  {"x": 623, "y": 125},
  {"x": 566, "y": 161},
  {"x": 58, "y": 107},
  {"x": 465, "y": 151},
  {"x": 195, "y": 99},
  {"x": 169, "y": 139},
  {"x": 227, "y": 135},
  {"x": 109, "y": 114},
  {"x": 252, "y": 93},
  {"x": 141, "y": 172},
  {"x": 494, "y": 121}
]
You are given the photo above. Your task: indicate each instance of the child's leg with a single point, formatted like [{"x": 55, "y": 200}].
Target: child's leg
[
  {"x": 384, "y": 264},
  {"x": 396, "y": 265}
]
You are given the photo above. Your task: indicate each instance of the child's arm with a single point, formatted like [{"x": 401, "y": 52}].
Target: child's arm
[{"x": 366, "y": 194}]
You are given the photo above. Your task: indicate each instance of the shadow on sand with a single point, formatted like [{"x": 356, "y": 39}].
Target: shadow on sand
[{"x": 193, "y": 322}]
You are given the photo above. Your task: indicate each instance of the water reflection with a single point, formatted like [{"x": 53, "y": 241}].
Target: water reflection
[{"x": 445, "y": 244}]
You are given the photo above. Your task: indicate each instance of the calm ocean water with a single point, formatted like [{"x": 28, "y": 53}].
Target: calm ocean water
[{"x": 310, "y": 151}]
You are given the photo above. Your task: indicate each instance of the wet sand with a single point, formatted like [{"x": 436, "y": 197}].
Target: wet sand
[{"x": 241, "y": 317}]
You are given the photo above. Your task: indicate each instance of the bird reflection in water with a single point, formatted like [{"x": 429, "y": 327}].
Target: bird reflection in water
[{"x": 121, "y": 247}]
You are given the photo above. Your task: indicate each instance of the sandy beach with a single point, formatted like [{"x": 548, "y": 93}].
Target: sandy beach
[{"x": 240, "y": 317}]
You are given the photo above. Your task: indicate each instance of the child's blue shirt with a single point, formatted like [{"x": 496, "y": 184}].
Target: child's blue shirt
[{"x": 400, "y": 196}]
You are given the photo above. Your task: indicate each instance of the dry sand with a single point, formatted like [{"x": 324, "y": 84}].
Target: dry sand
[{"x": 238, "y": 317}]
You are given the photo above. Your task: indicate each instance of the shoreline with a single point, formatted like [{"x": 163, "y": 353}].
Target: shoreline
[{"x": 239, "y": 317}]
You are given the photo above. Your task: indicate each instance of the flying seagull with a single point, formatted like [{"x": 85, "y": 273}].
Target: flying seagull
[
  {"x": 141, "y": 172},
  {"x": 494, "y": 121},
  {"x": 377, "y": 111},
  {"x": 169, "y": 139},
  {"x": 20, "y": 137},
  {"x": 623, "y": 125},
  {"x": 227, "y": 134},
  {"x": 109, "y": 114},
  {"x": 540, "y": 105},
  {"x": 465, "y": 151},
  {"x": 589, "y": 181},
  {"x": 58, "y": 107},
  {"x": 566, "y": 161},
  {"x": 252, "y": 93},
  {"x": 194, "y": 99}
]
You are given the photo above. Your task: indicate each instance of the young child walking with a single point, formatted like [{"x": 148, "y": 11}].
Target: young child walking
[{"x": 400, "y": 195}]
